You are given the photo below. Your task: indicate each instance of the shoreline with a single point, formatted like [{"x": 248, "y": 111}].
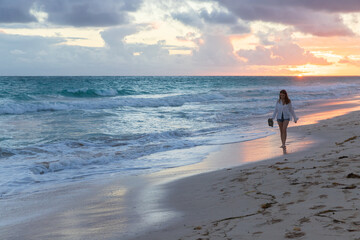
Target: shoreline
[
  {"x": 308, "y": 194},
  {"x": 130, "y": 205},
  {"x": 117, "y": 204}
]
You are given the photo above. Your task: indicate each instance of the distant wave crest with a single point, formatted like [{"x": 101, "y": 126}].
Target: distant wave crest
[
  {"x": 89, "y": 93},
  {"x": 12, "y": 107}
]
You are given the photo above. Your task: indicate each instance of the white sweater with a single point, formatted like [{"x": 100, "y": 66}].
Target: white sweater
[{"x": 285, "y": 109}]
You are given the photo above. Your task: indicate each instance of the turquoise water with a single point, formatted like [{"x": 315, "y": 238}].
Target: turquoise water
[{"x": 63, "y": 129}]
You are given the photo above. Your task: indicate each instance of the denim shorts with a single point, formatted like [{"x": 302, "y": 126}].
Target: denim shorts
[{"x": 282, "y": 119}]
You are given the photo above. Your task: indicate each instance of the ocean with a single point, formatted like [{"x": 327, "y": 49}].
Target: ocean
[{"x": 58, "y": 130}]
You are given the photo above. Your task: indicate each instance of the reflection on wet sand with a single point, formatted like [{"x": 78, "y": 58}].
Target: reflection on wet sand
[{"x": 333, "y": 109}]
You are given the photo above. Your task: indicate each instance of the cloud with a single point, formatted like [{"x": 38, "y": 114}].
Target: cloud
[
  {"x": 325, "y": 5},
  {"x": 94, "y": 13},
  {"x": 16, "y": 11},
  {"x": 190, "y": 36},
  {"x": 203, "y": 18},
  {"x": 239, "y": 29},
  {"x": 211, "y": 53},
  {"x": 320, "y": 18},
  {"x": 26, "y": 44},
  {"x": 114, "y": 37},
  {"x": 348, "y": 60},
  {"x": 23, "y": 55},
  {"x": 17, "y": 52},
  {"x": 190, "y": 18},
  {"x": 30, "y": 55},
  {"x": 214, "y": 50},
  {"x": 116, "y": 47},
  {"x": 33, "y": 55},
  {"x": 280, "y": 54},
  {"x": 225, "y": 18},
  {"x": 323, "y": 25},
  {"x": 78, "y": 13},
  {"x": 217, "y": 17}
]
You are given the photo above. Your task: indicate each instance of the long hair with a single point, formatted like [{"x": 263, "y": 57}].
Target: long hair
[{"x": 287, "y": 99}]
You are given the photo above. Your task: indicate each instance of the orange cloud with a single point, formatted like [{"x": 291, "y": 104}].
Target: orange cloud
[
  {"x": 348, "y": 60},
  {"x": 281, "y": 54},
  {"x": 338, "y": 45}
]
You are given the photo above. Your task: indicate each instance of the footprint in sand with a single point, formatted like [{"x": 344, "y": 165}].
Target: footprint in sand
[
  {"x": 283, "y": 207},
  {"x": 295, "y": 234},
  {"x": 322, "y": 196},
  {"x": 304, "y": 220},
  {"x": 286, "y": 194},
  {"x": 317, "y": 207}
]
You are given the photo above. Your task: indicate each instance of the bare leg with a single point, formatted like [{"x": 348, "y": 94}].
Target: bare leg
[
  {"x": 284, "y": 132},
  {"x": 281, "y": 127}
]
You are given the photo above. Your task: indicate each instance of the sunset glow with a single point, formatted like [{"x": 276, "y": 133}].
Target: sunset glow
[{"x": 207, "y": 37}]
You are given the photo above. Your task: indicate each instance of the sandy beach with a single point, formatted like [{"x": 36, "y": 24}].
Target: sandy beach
[{"x": 308, "y": 192}]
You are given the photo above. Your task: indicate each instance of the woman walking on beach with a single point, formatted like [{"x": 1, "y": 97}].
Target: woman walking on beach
[{"x": 283, "y": 112}]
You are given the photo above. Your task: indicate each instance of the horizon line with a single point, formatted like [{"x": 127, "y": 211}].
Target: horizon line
[{"x": 297, "y": 76}]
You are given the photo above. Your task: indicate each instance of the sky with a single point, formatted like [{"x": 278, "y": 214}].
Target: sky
[{"x": 180, "y": 37}]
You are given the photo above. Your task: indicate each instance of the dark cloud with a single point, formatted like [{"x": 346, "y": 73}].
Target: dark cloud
[
  {"x": 218, "y": 17},
  {"x": 239, "y": 29},
  {"x": 200, "y": 19},
  {"x": 324, "y": 5},
  {"x": 16, "y": 11},
  {"x": 83, "y": 15},
  {"x": 319, "y": 18},
  {"x": 78, "y": 13},
  {"x": 131, "y": 5},
  {"x": 335, "y": 6},
  {"x": 96, "y": 13},
  {"x": 190, "y": 18}
]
